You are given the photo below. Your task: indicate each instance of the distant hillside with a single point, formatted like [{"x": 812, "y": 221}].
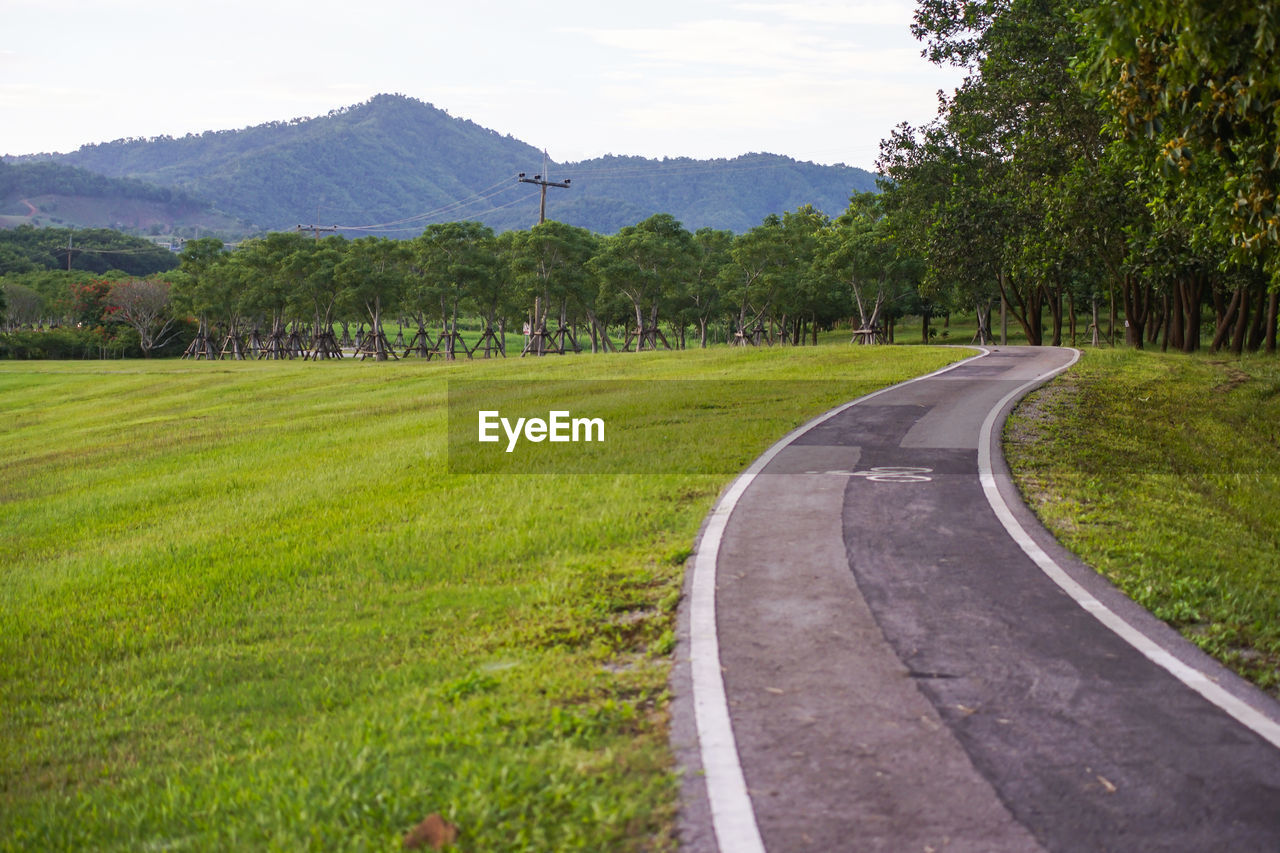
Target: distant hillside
[
  {"x": 394, "y": 159},
  {"x": 45, "y": 193}
]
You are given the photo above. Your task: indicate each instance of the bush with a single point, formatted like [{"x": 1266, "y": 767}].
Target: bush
[
  {"x": 113, "y": 341},
  {"x": 64, "y": 343}
]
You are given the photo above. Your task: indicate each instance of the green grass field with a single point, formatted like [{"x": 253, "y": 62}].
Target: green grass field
[
  {"x": 247, "y": 605},
  {"x": 1163, "y": 472}
]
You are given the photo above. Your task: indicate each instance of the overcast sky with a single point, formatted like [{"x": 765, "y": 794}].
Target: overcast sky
[{"x": 814, "y": 80}]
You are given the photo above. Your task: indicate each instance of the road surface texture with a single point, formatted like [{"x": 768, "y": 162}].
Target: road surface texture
[{"x": 882, "y": 649}]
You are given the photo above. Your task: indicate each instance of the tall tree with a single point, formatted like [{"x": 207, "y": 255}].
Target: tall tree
[
  {"x": 143, "y": 305},
  {"x": 646, "y": 263},
  {"x": 450, "y": 261},
  {"x": 549, "y": 268},
  {"x": 1001, "y": 151},
  {"x": 373, "y": 276}
]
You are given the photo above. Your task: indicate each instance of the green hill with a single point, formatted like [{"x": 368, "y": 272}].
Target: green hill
[
  {"x": 46, "y": 193},
  {"x": 393, "y": 159}
]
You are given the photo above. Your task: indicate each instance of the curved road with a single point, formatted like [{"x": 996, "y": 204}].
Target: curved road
[{"x": 881, "y": 649}]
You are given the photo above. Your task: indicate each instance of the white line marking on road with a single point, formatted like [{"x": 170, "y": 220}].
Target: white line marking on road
[
  {"x": 732, "y": 816},
  {"x": 895, "y": 474},
  {"x": 1245, "y": 714}
]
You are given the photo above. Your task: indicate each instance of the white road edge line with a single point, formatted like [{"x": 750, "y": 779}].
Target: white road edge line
[
  {"x": 1245, "y": 714},
  {"x": 732, "y": 817}
]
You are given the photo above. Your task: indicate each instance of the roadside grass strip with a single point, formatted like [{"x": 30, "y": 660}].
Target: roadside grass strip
[
  {"x": 1163, "y": 472},
  {"x": 249, "y": 606}
]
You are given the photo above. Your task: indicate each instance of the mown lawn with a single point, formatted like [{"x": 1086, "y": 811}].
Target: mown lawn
[
  {"x": 248, "y": 605},
  {"x": 1163, "y": 472}
]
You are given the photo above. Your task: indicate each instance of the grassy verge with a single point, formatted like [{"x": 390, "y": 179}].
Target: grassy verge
[
  {"x": 246, "y": 605},
  {"x": 1162, "y": 471}
]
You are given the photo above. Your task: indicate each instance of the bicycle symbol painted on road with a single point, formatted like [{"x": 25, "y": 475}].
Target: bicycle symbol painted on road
[{"x": 896, "y": 474}]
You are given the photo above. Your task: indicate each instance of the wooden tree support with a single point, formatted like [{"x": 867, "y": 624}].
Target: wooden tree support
[
  {"x": 646, "y": 338},
  {"x": 325, "y": 346},
  {"x": 867, "y": 335},
  {"x": 491, "y": 343},
  {"x": 232, "y": 345},
  {"x": 297, "y": 344},
  {"x": 539, "y": 342},
  {"x": 563, "y": 338},
  {"x": 447, "y": 346},
  {"x": 421, "y": 345},
  {"x": 202, "y": 345},
  {"x": 276, "y": 345},
  {"x": 375, "y": 344}
]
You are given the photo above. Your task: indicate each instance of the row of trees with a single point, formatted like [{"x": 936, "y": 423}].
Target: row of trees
[
  {"x": 1114, "y": 152},
  {"x": 26, "y": 250},
  {"x": 652, "y": 285}
]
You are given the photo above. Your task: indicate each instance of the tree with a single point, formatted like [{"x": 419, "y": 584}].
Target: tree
[
  {"x": 373, "y": 275},
  {"x": 801, "y": 290},
  {"x": 449, "y": 261},
  {"x": 549, "y": 265},
  {"x": 859, "y": 252},
  {"x": 143, "y": 305},
  {"x": 711, "y": 253},
  {"x": 1203, "y": 80},
  {"x": 646, "y": 263},
  {"x": 750, "y": 278},
  {"x": 20, "y": 305},
  {"x": 997, "y": 162},
  {"x": 312, "y": 266},
  {"x": 272, "y": 284}
]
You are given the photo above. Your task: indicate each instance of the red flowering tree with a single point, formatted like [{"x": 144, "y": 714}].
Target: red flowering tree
[{"x": 89, "y": 302}]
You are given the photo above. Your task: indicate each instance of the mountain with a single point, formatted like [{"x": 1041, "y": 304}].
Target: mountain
[
  {"x": 45, "y": 193},
  {"x": 398, "y": 164}
]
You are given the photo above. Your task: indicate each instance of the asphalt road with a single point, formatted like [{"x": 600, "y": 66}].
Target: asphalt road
[{"x": 874, "y": 655}]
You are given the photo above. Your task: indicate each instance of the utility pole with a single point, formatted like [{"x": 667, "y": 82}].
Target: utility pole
[
  {"x": 543, "y": 182},
  {"x": 316, "y": 229}
]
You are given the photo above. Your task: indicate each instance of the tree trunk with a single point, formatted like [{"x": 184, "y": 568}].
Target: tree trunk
[
  {"x": 1135, "y": 308},
  {"x": 1111, "y": 312},
  {"x": 1224, "y": 316},
  {"x": 1177, "y": 322},
  {"x": 1167, "y": 322},
  {"x": 1242, "y": 321},
  {"x": 1071, "y": 315},
  {"x": 1054, "y": 298},
  {"x": 1273, "y": 306},
  {"x": 1257, "y": 327}
]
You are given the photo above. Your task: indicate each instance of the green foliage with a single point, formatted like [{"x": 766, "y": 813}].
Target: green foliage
[
  {"x": 40, "y": 177},
  {"x": 783, "y": 281},
  {"x": 1162, "y": 473},
  {"x": 26, "y": 249},
  {"x": 1118, "y": 150},
  {"x": 1202, "y": 81},
  {"x": 992, "y": 190},
  {"x": 646, "y": 263}
]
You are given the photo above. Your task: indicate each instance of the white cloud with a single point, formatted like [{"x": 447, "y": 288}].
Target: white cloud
[
  {"x": 879, "y": 13},
  {"x": 812, "y": 79}
]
